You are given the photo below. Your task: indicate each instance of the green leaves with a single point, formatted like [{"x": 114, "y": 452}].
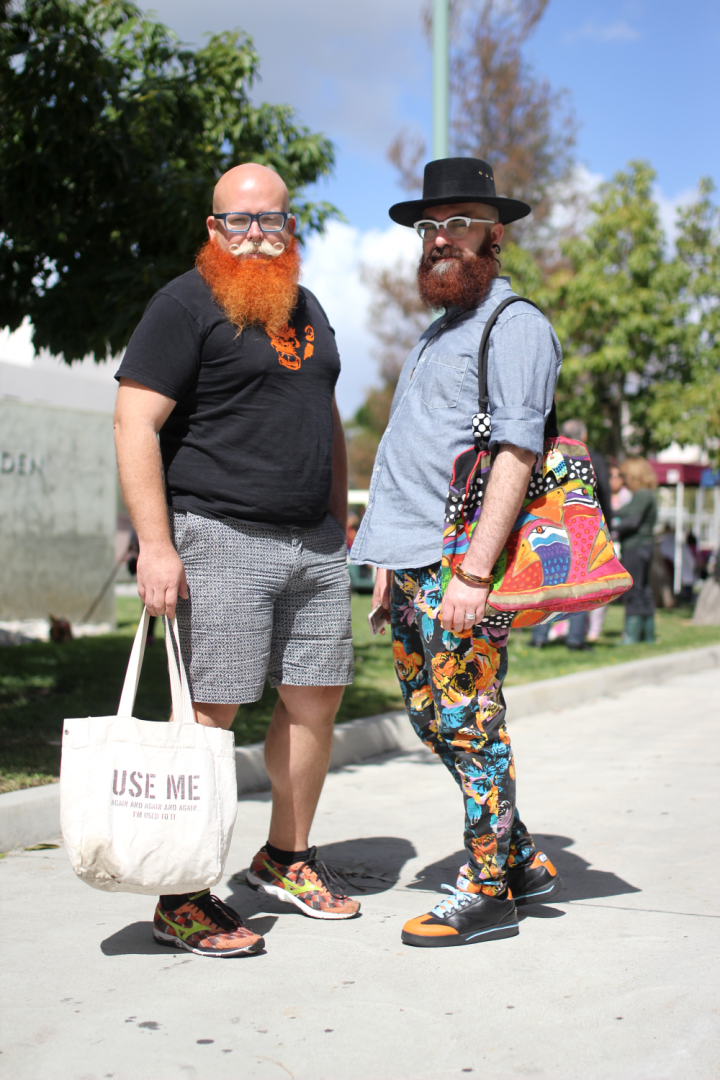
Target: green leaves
[
  {"x": 690, "y": 413},
  {"x": 620, "y": 314},
  {"x": 112, "y": 136},
  {"x": 640, "y": 331}
]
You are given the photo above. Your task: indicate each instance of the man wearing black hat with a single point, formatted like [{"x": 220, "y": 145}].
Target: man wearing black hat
[{"x": 450, "y": 665}]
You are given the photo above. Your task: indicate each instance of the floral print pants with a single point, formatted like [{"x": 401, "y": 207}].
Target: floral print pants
[{"x": 452, "y": 687}]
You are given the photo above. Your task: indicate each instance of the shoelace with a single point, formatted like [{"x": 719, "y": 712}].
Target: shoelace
[
  {"x": 220, "y": 913},
  {"x": 453, "y": 903},
  {"x": 332, "y": 880}
]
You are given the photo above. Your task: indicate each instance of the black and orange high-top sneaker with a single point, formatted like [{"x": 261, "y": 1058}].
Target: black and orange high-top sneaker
[
  {"x": 535, "y": 883},
  {"x": 464, "y": 918}
]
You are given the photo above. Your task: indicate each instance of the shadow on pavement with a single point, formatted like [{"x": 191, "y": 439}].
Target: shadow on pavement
[
  {"x": 581, "y": 882},
  {"x": 374, "y": 862},
  {"x": 133, "y": 940},
  {"x": 370, "y": 864},
  {"x": 539, "y": 911}
]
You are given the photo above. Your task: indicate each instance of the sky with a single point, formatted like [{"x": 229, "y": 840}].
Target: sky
[{"x": 643, "y": 77}]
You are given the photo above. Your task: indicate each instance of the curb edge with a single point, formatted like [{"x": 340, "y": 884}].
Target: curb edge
[{"x": 31, "y": 815}]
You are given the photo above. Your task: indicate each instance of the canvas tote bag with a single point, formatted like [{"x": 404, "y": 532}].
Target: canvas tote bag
[
  {"x": 559, "y": 556},
  {"x": 148, "y": 807}
]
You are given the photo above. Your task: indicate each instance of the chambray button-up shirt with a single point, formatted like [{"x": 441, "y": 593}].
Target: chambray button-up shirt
[{"x": 431, "y": 422}]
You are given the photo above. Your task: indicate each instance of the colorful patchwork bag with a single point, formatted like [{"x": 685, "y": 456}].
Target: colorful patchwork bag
[{"x": 559, "y": 558}]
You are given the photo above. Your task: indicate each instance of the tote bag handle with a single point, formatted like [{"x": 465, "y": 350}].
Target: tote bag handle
[
  {"x": 179, "y": 689},
  {"x": 551, "y": 428}
]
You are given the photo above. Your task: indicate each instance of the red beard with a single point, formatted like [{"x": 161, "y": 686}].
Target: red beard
[
  {"x": 252, "y": 291},
  {"x": 463, "y": 281}
]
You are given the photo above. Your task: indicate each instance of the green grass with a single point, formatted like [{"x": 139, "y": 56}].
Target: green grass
[
  {"x": 673, "y": 631},
  {"x": 41, "y": 684}
]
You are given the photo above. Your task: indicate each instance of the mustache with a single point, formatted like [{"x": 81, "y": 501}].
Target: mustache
[
  {"x": 264, "y": 247},
  {"x": 445, "y": 253},
  {"x": 441, "y": 261}
]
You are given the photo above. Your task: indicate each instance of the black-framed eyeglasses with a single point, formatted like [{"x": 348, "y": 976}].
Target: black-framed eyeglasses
[
  {"x": 268, "y": 221},
  {"x": 456, "y": 227}
]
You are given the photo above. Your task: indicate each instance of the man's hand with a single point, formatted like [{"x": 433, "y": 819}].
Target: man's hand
[
  {"x": 463, "y": 605},
  {"x": 381, "y": 592},
  {"x": 161, "y": 578},
  {"x": 139, "y": 415}
]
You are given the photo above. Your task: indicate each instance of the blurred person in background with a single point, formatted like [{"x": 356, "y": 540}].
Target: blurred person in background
[
  {"x": 634, "y": 525},
  {"x": 619, "y": 494},
  {"x": 688, "y": 564},
  {"x": 353, "y": 524}
]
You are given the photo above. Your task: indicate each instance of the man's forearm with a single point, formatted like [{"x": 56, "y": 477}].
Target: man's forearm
[
  {"x": 506, "y": 490},
  {"x": 141, "y": 482},
  {"x": 139, "y": 415},
  {"x": 339, "y": 494}
]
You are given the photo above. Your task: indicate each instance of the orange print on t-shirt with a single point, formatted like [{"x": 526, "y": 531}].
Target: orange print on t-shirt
[{"x": 287, "y": 346}]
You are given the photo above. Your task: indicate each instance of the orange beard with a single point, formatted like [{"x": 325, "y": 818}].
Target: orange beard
[{"x": 252, "y": 291}]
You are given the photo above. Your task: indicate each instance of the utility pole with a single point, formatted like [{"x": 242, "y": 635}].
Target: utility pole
[{"x": 441, "y": 78}]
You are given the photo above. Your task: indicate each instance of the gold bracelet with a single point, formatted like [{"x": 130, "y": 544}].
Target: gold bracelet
[{"x": 473, "y": 579}]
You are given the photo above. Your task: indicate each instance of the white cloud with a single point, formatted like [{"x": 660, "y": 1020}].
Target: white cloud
[
  {"x": 617, "y": 31},
  {"x": 570, "y": 209},
  {"x": 332, "y": 271},
  {"x": 668, "y": 207},
  {"x": 17, "y": 348}
]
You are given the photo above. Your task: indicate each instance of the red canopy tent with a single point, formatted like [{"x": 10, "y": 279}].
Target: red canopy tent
[
  {"x": 679, "y": 475},
  {"x": 670, "y": 473}
]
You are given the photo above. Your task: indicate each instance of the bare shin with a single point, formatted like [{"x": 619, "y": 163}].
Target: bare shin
[{"x": 297, "y": 755}]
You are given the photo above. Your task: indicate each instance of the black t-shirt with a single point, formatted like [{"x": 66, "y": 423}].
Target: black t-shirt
[{"x": 251, "y": 434}]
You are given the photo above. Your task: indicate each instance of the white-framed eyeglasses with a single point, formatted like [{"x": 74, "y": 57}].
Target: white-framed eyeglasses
[{"x": 456, "y": 227}]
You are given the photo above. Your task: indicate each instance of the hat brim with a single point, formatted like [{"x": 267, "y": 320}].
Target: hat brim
[{"x": 407, "y": 213}]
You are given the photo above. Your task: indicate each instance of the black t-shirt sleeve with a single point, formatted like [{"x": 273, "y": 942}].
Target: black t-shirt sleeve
[
  {"x": 321, "y": 309},
  {"x": 164, "y": 350}
]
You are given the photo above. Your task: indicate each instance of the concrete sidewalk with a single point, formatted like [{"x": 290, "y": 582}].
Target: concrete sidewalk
[{"x": 617, "y": 980}]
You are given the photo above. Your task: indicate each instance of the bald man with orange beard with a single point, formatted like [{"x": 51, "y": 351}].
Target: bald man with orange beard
[{"x": 233, "y": 468}]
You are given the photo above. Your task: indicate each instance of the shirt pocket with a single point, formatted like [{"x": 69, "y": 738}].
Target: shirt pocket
[{"x": 442, "y": 380}]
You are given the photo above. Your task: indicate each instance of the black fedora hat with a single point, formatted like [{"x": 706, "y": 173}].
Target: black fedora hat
[{"x": 458, "y": 180}]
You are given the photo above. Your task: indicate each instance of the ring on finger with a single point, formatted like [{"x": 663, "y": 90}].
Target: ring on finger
[{"x": 470, "y": 616}]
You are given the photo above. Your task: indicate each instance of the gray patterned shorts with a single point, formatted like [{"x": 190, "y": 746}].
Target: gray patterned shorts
[{"x": 265, "y": 603}]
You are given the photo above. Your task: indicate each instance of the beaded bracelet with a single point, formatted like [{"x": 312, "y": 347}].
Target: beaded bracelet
[{"x": 473, "y": 579}]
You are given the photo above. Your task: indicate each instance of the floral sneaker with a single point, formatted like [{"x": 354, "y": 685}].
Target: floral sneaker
[
  {"x": 206, "y": 926},
  {"x": 309, "y": 885}
]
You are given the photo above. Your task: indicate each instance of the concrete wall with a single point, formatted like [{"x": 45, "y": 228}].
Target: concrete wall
[{"x": 57, "y": 511}]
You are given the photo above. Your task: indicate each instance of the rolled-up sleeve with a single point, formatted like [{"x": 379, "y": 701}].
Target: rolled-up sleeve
[{"x": 523, "y": 367}]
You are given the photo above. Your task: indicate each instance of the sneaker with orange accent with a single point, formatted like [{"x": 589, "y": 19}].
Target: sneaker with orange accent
[
  {"x": 536, "y": 882},
  {"x": 310, "y": 885},
  {"x": 206, "y": 926},
  {"x": 463, "y": 918}
]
